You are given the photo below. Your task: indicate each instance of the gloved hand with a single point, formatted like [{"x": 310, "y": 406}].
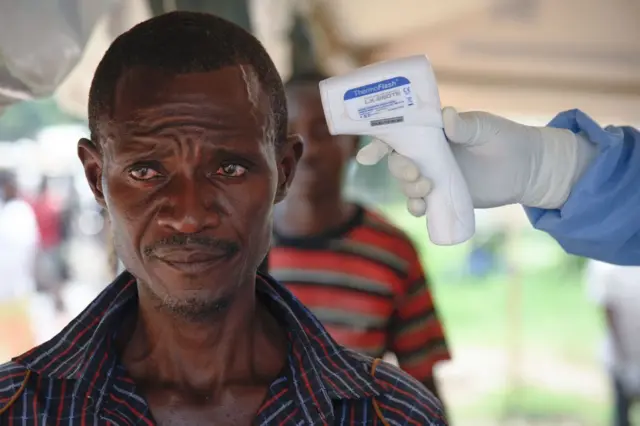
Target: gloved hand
[
  {"x": 414, "y": 186},
  {"x": 503, "y": 162}
]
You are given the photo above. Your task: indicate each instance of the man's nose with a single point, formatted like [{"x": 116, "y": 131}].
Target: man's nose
[{"x": 189, "y": 208}]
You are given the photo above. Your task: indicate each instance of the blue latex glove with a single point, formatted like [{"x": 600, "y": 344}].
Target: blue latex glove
[{"x": 601, "y": 217}]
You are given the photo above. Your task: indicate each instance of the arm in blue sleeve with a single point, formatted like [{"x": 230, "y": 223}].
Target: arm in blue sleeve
[{"x": 601, "y": 218}]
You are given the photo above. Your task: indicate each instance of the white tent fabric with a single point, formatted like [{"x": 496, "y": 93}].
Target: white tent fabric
[
  {"x": 41, "y": 41},
  {"x": 73, "y": 94}
]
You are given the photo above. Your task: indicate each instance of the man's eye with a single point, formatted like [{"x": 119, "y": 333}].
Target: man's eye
[
  {"x": 231, "y": 170},
  {"x": 143, "y": 173}
]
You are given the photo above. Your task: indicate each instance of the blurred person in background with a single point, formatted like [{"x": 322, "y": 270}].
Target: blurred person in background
[
  {"x": 19, "y": 240},
  {"x": 358, "y": 273},
  {"x": 50, "y": 263},
  {"x": 616, "y": 289},
  {"x": 68, "y": 216}
]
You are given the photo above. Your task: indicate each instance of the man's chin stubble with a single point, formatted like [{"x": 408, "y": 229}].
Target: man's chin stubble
[
  {"x": 191, "y": 309},
  {"x": 196, "y": 310}
]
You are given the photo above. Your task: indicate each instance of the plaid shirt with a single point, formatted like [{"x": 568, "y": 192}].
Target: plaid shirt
[{"x": 76, "y": 378}]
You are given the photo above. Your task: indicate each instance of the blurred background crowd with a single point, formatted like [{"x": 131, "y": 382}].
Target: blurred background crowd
[{"x": 527, "y": 324}]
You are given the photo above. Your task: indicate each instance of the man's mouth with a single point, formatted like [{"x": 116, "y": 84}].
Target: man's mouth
[{"x": 191, "y": 261}]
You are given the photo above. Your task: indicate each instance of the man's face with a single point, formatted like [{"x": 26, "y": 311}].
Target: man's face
[
  {"x": 325, "y": 156},
  {"x": 189, "y": 175}
]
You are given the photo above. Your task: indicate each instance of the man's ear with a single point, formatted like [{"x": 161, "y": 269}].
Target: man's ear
[
  {"x": 92, "y": 162},
  {"x": 288, "y": 156}
]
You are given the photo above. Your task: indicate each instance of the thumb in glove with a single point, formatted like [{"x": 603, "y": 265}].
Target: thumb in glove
[{"x": 463, "y": 129}]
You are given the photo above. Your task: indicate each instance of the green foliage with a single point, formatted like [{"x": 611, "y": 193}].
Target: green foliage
[
  {"x": 536, "y": 406},
  {"x": 554, "y": 317}
]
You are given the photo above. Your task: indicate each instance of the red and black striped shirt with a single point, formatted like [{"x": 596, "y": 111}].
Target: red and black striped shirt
[
  {"x": 365, "y": 283},
  {"x": 76, "y": 378}
]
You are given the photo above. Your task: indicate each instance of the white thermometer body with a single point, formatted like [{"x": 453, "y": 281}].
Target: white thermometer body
[{"x": 398, "y": 102}]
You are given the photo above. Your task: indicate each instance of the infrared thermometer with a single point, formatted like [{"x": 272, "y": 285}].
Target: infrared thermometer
[{"x": 398, "y": 102}]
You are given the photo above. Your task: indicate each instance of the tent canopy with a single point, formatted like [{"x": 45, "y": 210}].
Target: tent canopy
[{"x": 516, "y": 57}]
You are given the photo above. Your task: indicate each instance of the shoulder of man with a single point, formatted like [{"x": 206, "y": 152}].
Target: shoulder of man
[
  {"x": 13, "y": 378},
  {"x": 404, "y": 400},
  {"x": 20, "y": 206},
  {"x": 378, "y": 221},
  {"x": 399, "y": 242},
  {"x": 19, "y": 213}
]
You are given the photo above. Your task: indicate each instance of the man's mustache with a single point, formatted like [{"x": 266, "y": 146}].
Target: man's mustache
[{"x": 193, "y": 242}]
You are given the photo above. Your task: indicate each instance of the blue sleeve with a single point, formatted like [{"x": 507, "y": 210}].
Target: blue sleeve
[{"x": 601, "y": 218}]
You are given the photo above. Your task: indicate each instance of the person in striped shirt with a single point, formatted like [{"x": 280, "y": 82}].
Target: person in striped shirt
[
  {"x": 189, "y": 152},
  {"x": 358, "y": 273}
]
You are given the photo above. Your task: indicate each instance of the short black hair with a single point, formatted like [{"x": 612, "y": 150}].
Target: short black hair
[
  {"x": 307, "y": 78},
  {"x": 185, "y": 42}
]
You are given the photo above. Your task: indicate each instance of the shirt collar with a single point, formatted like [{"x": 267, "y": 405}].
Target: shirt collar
[
  {"x": 341, "y": 373},
  {"x": 327, "y": 368}
]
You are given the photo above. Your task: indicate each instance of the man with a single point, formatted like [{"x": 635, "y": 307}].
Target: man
[
  {"x": 18, "y": 246},
  {"x": 617, "y": 291},
  {"x": 50, "y": 267},
  {"x": 188, "y": 154},
  {"x": 359, "y": 274},
  {"x": 577, "y": 180}
]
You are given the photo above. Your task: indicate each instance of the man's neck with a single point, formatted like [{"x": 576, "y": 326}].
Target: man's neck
[
  {"x": 207, "y": 356},
  {"x": 303, "y": 216}
]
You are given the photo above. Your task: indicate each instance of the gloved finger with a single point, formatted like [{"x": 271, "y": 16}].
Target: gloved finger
[
  {"x": 417, "y": 206},
  {"x": 403, "y": 168},
  {"x": 372, "y": 153},
  {"x": 417, "y": 189},
  {"x": 460, "y": 128}
]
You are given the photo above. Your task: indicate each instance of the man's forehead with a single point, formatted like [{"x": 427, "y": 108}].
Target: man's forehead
[{"x": 234, "y": 89}]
